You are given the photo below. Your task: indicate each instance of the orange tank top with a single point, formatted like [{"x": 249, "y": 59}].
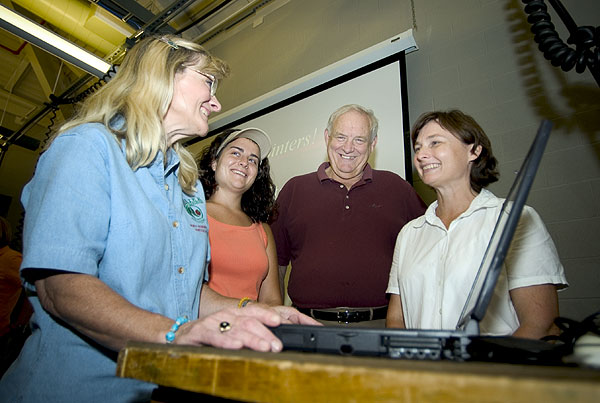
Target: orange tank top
[{"x": 239, "y": 261}]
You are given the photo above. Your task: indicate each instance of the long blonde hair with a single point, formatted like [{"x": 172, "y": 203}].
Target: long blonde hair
[{"x": 141, "y": 92}]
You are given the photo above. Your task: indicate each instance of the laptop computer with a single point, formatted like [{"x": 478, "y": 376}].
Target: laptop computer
[{"x": 464, "y": 342}]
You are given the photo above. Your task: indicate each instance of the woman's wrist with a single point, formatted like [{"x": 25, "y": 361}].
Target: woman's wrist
[
  {"x": 172, "y": 333},
  {"x": 245, "y": 301}
]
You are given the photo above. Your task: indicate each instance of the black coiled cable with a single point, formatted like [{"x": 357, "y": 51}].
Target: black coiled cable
[
  {"x": 584, "y": 38},
  {"x": 55, "y": 103},
  {"x": 90, "y": 90},
  {"x": 51, "y": 124}
]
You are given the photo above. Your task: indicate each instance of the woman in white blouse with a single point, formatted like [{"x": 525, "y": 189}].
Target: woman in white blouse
[{"x": 437, "y": 255}]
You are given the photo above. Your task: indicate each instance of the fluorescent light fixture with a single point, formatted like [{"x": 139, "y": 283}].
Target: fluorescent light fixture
[{"x": 49, "y": 41}]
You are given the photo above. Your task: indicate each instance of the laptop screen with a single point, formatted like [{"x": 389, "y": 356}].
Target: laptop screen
[{"x": 482, "y": 289}]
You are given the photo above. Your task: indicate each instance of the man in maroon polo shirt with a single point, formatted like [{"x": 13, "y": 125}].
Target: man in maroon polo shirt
[{"x": 338, "y": 226}]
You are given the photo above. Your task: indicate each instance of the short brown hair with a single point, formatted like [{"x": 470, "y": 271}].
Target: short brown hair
[{"x": 467, "y": 130}]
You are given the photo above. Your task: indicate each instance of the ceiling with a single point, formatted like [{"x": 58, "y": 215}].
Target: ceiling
[{"x": 37, "y": 88}]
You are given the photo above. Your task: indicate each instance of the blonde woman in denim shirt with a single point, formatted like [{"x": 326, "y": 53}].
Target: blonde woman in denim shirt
[{"x": 116, "y": 237}]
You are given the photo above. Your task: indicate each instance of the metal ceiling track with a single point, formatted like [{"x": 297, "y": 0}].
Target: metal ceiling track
[{"x": 156, "y": 24}]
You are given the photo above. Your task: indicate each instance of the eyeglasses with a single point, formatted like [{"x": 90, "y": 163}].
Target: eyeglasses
[{"x": 212, "y": 82}]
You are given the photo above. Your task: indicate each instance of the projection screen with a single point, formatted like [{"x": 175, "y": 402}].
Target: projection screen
[{"x": 295, "y": 116}]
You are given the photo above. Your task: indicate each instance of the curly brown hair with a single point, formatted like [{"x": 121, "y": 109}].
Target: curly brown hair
[
  {"x": 258, "y": 202},
  {"x": 467, "y": 130}
]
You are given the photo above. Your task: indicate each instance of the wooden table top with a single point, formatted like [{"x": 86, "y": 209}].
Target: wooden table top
[{"x": 297, "y": 377}]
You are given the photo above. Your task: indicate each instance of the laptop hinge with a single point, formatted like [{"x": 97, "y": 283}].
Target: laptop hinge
[{"x": 472, "y": 328}]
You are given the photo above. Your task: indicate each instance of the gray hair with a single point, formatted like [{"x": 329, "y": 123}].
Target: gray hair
[{"x": 368, "y": 113}]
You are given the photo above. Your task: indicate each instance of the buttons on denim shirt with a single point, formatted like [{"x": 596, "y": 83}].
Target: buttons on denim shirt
[
  {"x": 175, "y": 224},
  {"x": 181, "y": 270},
  {"x": 166, "y": 187}
]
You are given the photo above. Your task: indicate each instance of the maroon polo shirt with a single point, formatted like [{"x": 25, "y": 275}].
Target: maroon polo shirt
[{"x": 341, "y": 242}]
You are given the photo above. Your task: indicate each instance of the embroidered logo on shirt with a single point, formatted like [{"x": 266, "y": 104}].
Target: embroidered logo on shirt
[{"x": 192, "y": 206}]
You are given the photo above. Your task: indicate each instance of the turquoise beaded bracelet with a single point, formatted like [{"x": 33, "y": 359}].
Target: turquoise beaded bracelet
[{"x": 170, "y": 336}]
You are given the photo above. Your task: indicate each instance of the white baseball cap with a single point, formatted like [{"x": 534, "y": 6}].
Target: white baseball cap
[{"x": 257, "y": 135}]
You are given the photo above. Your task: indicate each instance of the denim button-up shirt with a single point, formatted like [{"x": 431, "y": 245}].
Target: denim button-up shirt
[{"x": 88, "y": 212}]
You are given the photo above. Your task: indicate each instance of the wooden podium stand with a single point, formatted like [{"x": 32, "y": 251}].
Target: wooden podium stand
[{"x": 304, "y": 377}]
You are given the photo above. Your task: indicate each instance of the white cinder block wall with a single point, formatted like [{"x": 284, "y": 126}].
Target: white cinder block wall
[
  {"x": 480, "y": 56},
  {"x": 476, "y": 55}
]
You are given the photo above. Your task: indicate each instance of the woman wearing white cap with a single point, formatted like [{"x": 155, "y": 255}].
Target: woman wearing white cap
[{"x": 240, "y": 194}]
